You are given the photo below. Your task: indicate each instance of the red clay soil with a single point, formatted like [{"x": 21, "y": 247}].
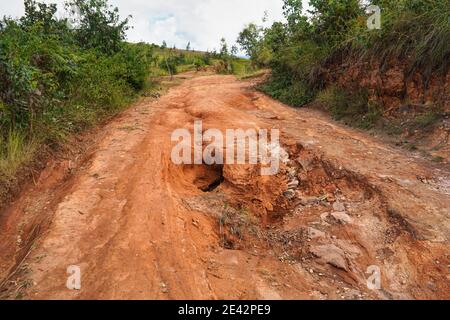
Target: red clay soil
[{"x": 141, "y": 227}]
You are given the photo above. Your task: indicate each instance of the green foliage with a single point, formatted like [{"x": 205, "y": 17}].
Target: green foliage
[
  {"x": 292, "y": 10},
  {"x": 295, "y": 93},
  {"x": 223, "y": 53},
  {"x": 250, "y": 39},
  {"x": 332, "y": 19},
  {"x": 243, "y": 68},
  {"x": 55, "y": 80},
  {"x": 415, "y": 32},
  {"x": 170, "y": 64},
  {"x": 352, "y": 108},
  {"x": 14, "y": 151},
  {"x": 99, "y": 25},
  {"x": 42, "y": 15},
  {"x": 425, "y": 120}
]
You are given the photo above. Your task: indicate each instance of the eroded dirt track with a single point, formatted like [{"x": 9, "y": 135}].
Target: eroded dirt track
[{"x": 141, "y": 227}]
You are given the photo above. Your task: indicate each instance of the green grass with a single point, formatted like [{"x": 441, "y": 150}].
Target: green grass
[
  {"x": 304, "y": 52},
  {"x": 353, "y": 108},
  {"x": 244, "y": 69},
  {"x": 15, "y": 151},
  {"x": 294, "y": 93},
  {"x": 425, "y": 120},
  {"x": 95, "y": 96}
]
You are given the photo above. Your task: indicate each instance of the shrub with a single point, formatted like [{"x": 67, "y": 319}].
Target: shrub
[
  {"x": 353, "y": 108},
  {"x": 300, "y": 50},
  {"x": 99, "y": 25},
  {"x": 55, "y": 80}
]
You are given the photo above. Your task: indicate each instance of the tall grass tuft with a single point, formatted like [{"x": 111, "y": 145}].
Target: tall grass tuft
[{"x": 15, "y": 151}]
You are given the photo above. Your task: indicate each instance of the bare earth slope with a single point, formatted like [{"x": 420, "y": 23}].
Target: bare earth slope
[{"x": 141, "y": 227}]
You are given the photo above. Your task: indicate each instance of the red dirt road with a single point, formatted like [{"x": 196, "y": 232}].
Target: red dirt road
[{"x": 139, "y": 227}]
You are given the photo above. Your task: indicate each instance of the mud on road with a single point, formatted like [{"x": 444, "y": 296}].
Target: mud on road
[{"x": 141, "y": 227}]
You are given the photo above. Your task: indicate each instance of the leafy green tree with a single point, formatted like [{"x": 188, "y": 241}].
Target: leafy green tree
[
  {"x": 250, "y": 40},
  {"x": 276, "y": 36},
  {"x": 292, "y": 10},
  {"x": 223, "y": 48},
  {"x": 41, "y": 13},
  {"x": 416, "y": 6},
  {"x": 332, "y": 18},
  {"x": 100, "y": 25},
  {"x": 234, "y": 50}
]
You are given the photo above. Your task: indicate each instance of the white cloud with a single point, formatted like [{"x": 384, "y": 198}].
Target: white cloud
[{"x": 202, "y": 22}]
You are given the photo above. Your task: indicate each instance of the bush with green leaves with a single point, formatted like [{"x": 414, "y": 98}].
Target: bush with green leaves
[
  {"x": 416, "y": 32},
  {"x": 56, "y": 79},
  {"x": 354, "y": 108},
  {"x": 98, "y": 25}
]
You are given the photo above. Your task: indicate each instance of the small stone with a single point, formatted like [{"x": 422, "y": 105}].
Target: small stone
[
  {"x": 314, "y": 233},
  {"x": 290, "y": 194},
  {"x": 339, "y": 206},
  {"x": 293, "y": 184},
  {"x": 342, "y": 217},
  {"x": 195, "y": 223},
  {"x": 305, "y": 163},
  {"x": 164, "y": 288},
  {"x": 331, "y": 255},
  {"x": 292, "y": 172},
  {"x": 305, "y": 201}
]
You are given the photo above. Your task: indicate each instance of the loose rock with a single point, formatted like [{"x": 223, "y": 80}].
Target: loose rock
[
  {"x": 331, "y": 255},
  {"x": 339, "y": 207},
  {"x": 314, "y": 233},
  {"x": 342, "y": 217},
  {"x": 290, "y": 194}
]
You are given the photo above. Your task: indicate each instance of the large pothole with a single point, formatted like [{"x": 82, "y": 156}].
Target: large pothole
[
  {"x": 206, "y": 178},
  {"x": 315, "y": 214}
]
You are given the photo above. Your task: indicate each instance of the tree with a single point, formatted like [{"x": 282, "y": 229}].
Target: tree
[
  {"x": 292, "y": 10},
  {"x": 39, "y": 14},
  {"x": 188, "y": 47},
  {"x": 249, "y": 39},
  {"x": 99, "y": 25},
  {"x": 332, "y": 18},
  {"x": 234, "y": 50},
  {"x": 223, "y": 48},
  {"x": 275, "y": 37},
  {"x": 164, "y": 45}
]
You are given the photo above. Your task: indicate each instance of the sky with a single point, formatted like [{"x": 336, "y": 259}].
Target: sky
[{"x": 201, "y": 22}]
